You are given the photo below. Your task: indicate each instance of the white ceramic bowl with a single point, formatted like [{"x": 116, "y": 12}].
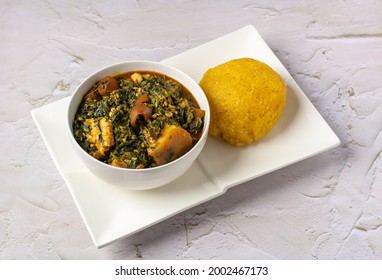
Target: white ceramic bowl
[{"x": 148, "y": 178}]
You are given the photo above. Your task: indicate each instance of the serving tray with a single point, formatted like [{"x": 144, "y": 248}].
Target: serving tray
[{"x": 111, "y": 212}]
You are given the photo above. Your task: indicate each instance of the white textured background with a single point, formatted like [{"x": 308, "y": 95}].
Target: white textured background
[{"x": 326, "y": 207}]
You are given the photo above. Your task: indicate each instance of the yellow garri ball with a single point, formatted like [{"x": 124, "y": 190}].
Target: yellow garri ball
[{"x": 246, "y": 97}]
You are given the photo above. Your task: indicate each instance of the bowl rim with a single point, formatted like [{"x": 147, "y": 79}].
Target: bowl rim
[{"x": 206, "y": 121}]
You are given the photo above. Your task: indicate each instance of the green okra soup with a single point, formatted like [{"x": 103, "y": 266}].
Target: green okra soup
[{"x": 138, "y": 119}]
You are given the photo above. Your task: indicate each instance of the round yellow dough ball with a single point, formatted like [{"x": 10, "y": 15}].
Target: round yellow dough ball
[{"x": 246, "y": 99}]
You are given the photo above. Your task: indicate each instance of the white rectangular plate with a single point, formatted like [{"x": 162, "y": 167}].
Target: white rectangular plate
[{"x": 111, "y": 212}]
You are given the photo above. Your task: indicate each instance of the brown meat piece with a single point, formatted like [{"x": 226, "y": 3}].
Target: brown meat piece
[
  {"x": 101, "y": 135},
  {"x": 172, "y": 143}
]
